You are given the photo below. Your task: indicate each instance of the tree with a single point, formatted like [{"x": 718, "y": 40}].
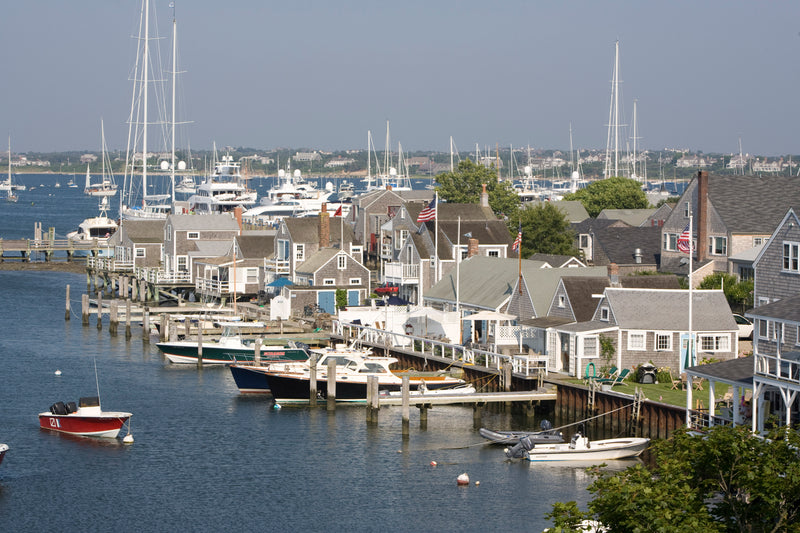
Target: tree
[
  {"x": 545, "y": 229},
  {"x": 465, "y": 184},
  {"x": 725, "y": 480},
  {"x": 610, "y": 193},
  {"x": 738, "y": 293}
]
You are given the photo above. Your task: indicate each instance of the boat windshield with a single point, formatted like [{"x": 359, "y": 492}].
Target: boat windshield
[{"x": 374, "y": 368}]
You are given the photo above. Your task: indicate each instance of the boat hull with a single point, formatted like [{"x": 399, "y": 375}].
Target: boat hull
[
  {"x": 107, "y": 425},
  {"x": 598, "y": 451},
  {"x": 3, "y": 450},
  {"x": 249, "y": 380},
  {"x": 512, "y": 437},
  {"x": 186, "y": 353}
]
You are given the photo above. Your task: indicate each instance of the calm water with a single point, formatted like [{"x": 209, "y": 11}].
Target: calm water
[{"x": 206, "y": 458}]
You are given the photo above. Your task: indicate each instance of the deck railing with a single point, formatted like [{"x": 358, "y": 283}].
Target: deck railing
[{"x": 777, "y": 368}]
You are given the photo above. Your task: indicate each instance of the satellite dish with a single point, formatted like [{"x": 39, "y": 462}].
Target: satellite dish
[
  {"x": 296, "y": 173},
  {"x": 165, "y": 165},
  {"x": 181, "y": 165},
  {"x": 329, "y": 186},
  {"x": 281, "y": 173},
  {"x": 392, "y": 171}
]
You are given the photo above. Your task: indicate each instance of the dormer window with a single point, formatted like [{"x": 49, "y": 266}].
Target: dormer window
[
  {"x": 193, "y": 235},
  {"x": 604, "y": 314}
]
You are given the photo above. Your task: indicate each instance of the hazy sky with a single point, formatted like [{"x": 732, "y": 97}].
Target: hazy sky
[{"x": 300, "y": 73}]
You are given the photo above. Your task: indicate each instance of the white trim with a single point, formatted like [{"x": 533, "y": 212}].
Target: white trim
[{"x": 637, "y": 333}]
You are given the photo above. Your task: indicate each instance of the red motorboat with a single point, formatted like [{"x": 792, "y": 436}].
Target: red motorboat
[{"x": 85, "y": 419}]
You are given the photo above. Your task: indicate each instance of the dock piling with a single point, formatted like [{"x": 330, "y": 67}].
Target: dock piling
[
  {"x": 331, "y": 384},
  {"x": 199, "y": 345},
  {"x": 312, "y": 379},
  {"x": 85, "y": 309},
  {"x": 100, "y": 310},
  {"x": 127, "y": 319},
  {"x": 113, "y": 317},
  {"x": 146, "y": 325},
  {"x": 406, "y": 394},
  {"x": 66, "y": 313}
]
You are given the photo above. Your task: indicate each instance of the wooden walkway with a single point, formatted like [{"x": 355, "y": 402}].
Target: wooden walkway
[
  {"x": 476, "y": 398},
  {"x": 25, "y": 249}
]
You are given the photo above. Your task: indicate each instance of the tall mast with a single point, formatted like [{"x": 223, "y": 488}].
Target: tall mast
[
  {"x": 145, "y": 80},
  {"x": 451, "y": 153},
  {"x": 633, "y": 175},
  {"x": 571, "y": 163},
  {"x": 616, "y": 109},
  {"x": 174, "y": 72}
]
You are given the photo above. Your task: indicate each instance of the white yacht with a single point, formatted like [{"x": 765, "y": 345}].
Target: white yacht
[
  {"x": 223, "y": 191},
  {"x": 99, "y": 228},
  {"x": 292, "y": 187}
]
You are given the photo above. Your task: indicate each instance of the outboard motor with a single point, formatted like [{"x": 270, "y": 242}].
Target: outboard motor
[
  {"x": 520, "y": 449},
  {"x": 71, "y": 407},
  {"x": 545, "y": 425}
]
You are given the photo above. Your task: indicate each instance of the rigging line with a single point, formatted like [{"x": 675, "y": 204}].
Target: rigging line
[{"x": 593, "y": 417}]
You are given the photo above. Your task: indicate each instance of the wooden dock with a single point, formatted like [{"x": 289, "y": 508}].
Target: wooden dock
[{"x": 475, "y": 398}]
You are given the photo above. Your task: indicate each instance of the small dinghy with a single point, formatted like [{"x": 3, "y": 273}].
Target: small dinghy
[
  {"x": 546, "y": 435},
  {"x": 579, "y": 449}
]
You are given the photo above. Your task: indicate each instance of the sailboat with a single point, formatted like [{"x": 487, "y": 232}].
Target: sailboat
[
  {"x": 137, "y": 201},
  {"x": 395, "y": 178},
  {"x": 106, "y": 187},
  {"x": 7, "y": 185}
]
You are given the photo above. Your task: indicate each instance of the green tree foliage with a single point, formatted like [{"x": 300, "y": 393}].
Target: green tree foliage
[
  {"x": 545, "y": 229},
  {"x": 725, "y": 481},
  {"x": 465, "y": 184},
  {"x": 341, "y": 298},
  {"x": 738, "y": 293},
  {"x": 610, "y": 193}
]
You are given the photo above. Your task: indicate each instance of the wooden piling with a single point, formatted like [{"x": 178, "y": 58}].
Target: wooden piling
[
  {"x": 66, "y": 313},
  {"x": 312, "y": 379},
  {"x": 370, "y": 400},
  {"x": 331, "y": 384},
  {"x": 376, "y": 400},
  {"x": 99, "y": 310},
  {"x": 163, "y": 333},
  {"x": 199, "y": 345},
  {"x": 257, "y": 354},
  {"x": 85, "y": 309},
  {"x": 146, "y": 324},
  {"x": 113, "y": 317},
  {"x": 423, "y": 416},
  {"x": 406, "y": 394},
  {"x": 476, "y": 414},
  {"x": 127, "y": 319}
]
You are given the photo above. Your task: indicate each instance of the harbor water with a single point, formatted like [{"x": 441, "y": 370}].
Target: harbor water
[{"x": 206, "y": 458}]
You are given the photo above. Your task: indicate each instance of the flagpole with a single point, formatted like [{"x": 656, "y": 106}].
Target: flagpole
[
  {"x": 458, "y": 271},
  {"x": 436, "y": 234},
  {"x": 691, "y": 252},
  {"x": 519, "y": 253}
]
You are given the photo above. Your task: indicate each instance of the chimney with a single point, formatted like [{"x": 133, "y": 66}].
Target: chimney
[
  {"x": 324, "y": 227},
  {"x": 702, "y": 215},
  {"x": 237, "y": 214},
  {"x": 613, "y": 274},
  {"x": 637, "y": 256},
  {"x": 472, "y": 248},
  {"x": 484, "y": 197}
]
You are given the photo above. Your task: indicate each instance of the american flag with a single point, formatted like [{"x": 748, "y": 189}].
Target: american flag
[
  {"x": 518, "y": 240},
  {"x": 429, "y": 213},
  {"x": 685, "y": 241},
  {"x": 338, "y": 212}
]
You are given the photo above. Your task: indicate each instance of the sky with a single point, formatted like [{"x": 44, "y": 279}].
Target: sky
[{"x": 322, "y": 74}]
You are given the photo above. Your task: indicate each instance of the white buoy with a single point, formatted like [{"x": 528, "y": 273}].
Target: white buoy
[
  {"x": 276, "y": 406},
  {"x": 128, "y": 439},
  {"x": 58, "y": 372},
  {"x": 477, "y": 483},
  {"x": 433, "y": 463},
  {"x": 463, "y": 479}
]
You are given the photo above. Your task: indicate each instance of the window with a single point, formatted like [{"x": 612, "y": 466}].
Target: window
[
  {"x": 183, "y": 263},
  {"x": 283, "y": 249},
  {"x": 746, "y": 273},
  {"x": 139, "y": 252},
  {"x": 341, "y": 262},
  {"x": 718, "y": 245},
  {"x": 636, "y": 340},
  {"x": 763, "y": 328},
  {"x": 493, "y": 253},
  {"x": 299, "y": 252},
  {"x": 590, "y": 346},
  {"x": 329, "y": 281},
  {"x": 790, "y": 253},
  {"x": 758, "y": 241},
  {"x": 715, "y": 343},
  {"x": 604, "y": 314},
  {"x": 252, "y": 275},
  {"x": 193, "y": 235},
  {"x": 777, "y": 332},
  {"x": 797, "y": 335},
  {"x": 686, "y": 213},
  {"x": 584, "y": 240},
  {"x": 355, "y": 281},
  {"x": 402, "y": 236},
  {"x": 464, "y": 252},
  {"x": 663, "y": 342},
  {"x": 562, "y": 301},
  {"x": 168, "y": 233},
  {"x": 670, "y": 241}
]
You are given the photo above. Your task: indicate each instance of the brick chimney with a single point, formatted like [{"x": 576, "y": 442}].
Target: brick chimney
[
  {"x": 484, "y": 197},
  {"x": 237, "y": 214},
  {"x": 702, "y": 215},
  {"x": 613, "y": 274},
  {"x": 324, "y": 227},
  {"x": 472, "y": 247}
]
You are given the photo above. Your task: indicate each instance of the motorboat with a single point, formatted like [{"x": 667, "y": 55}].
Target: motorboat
[
  {"x": 291, "y": 382},
  {"x": 292, "y": 186},
  {"x": 231, "y": 347},
  {"x": 85, "y": 419},
  {"x": 3, "y": 450},
  {"x": 97, "y": 229},
  {"x": 546, "y": 435},
  {"x": 579, "y": 448}
]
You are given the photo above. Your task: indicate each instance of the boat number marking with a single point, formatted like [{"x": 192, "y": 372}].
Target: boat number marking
[{"x": 54, "y": 423}]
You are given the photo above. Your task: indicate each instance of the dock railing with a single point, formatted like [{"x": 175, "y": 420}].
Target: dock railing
[{"x": 522, "y": 364}]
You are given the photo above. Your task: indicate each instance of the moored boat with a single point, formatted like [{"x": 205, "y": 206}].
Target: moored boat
[
  {"x": 579, "y": 449},
  {"x": 85, "y": 419},
  {"x": 3, "y": 450},
  {"x": 544, "y": 436},
  {"x": 231, "y": 348}
]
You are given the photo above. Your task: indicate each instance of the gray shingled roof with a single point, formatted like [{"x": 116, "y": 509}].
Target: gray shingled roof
[
  {"x": 256, "y": 245},
  {"x": 554, "y": 260},
  {"x": 542, "y": 283},
  {"x": 620, "y": 243},
  {"x": 580, "y": 290},
  {"x": 634, "y": 217},
  {"x": 573, "y": 209},
  {"x": 144, "y": 230},
  {"x": 203, "y": 222},
  {"x": 316, "y": 261},
  {"x": 753, "y": 204},
  {"x": 787, "y": 309},
  {"x": 736, "y": 371},
  {"x": 668, "y": 310}
]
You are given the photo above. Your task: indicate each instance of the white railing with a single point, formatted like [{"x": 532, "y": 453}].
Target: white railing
[
  {"x": 401, "y": 273},
  {"x": 278, "y": 266},
  {"x": 774, "y": 367},
  {"x": 110, "y": 264},
  {"x": 526, "y": 365},
  {"x": 212, "y": 287},
  {"x": 157, "y": 275}
]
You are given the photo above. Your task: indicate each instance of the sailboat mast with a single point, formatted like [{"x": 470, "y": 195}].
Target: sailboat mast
[
  {"x": 616, "y": 109},
  {"x": 174, "y": 72},
  {"x": 634, "y": 139},
  {"x": 145, "y": 69}
]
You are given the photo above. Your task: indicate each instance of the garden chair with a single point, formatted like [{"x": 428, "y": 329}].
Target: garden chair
[
  {"x": 611, "y": 374},
  {"x": 617, "y": 379},
  {"x": 679, "y": 383}
]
